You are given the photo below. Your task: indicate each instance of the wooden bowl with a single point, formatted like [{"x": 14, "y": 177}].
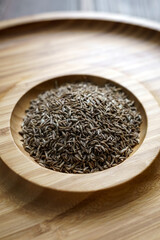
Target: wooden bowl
[{"x": 13, "y": 154}]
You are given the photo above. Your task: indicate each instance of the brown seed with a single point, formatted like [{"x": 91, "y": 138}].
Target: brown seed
[{"x": 81, "y": 128}]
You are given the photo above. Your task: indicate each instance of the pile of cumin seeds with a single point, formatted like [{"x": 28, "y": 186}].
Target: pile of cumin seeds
[{"x": 81, "y": 128}]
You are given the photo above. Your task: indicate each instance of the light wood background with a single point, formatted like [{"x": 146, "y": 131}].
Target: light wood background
[
  {"x": 148, "y": 9},
  {"x": 128, "y": 212}
]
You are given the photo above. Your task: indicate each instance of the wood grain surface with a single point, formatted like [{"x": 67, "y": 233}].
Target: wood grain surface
[{"x": 41, "y": 50}]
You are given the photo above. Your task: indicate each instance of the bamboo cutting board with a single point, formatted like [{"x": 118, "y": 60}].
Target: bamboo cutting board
[{"x": 41, "y": 47}]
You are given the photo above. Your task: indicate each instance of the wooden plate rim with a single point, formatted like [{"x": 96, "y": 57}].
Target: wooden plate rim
[{"x": 139, "y": 22}]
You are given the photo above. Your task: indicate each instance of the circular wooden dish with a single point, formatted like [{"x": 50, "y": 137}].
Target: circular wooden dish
[
  {"x": 21, "y": 163},
  {"x": 42, "y": 48}
]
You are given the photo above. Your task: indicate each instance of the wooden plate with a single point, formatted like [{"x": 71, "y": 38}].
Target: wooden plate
[
  {"x": 20, "y": 161},
  {"x": 41, "y": 48}
]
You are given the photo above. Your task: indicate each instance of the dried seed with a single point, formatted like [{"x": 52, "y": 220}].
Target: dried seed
[{"x": 81, "y": 128}]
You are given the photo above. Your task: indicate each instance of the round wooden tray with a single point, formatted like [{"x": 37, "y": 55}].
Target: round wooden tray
[
  {"x": 44, "y": 47},
  {"x": 20, "y": 162}
]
